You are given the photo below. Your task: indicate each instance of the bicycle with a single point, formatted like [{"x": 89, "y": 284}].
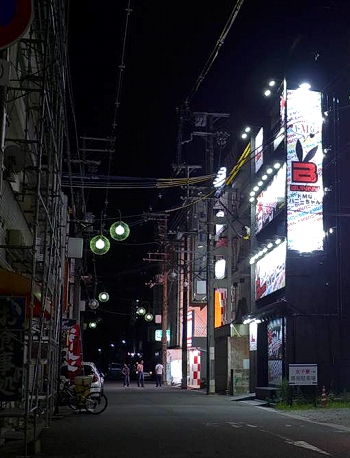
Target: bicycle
[{"x": 94, "y": 403}]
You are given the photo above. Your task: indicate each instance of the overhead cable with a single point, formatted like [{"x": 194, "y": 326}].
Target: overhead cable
[{"x": 216, "y": 50}]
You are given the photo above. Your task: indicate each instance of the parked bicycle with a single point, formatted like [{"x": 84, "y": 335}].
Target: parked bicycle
[{"x": 94, "y": 403}]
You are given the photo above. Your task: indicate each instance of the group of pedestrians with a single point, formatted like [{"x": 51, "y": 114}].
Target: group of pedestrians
[{"x": 159, "y": 368}]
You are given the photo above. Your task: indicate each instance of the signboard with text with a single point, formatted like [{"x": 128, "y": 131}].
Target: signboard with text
[
  {"x": 12, "y": 315},
  {"x": 303, "y": 374}
]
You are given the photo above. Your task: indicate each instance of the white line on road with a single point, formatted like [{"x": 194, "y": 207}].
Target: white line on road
[{"x": 306, "y": 445}]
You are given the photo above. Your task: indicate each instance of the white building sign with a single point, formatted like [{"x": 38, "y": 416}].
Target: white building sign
[{"x": 302, "y": 374}]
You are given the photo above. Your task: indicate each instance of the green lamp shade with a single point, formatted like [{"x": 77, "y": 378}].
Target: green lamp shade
[
  {"x": 103, "y": 297},
  {"x": 148, "y": 317},
  {"x": 100, "y": 244},
  {"x": 119, "y": 231}
]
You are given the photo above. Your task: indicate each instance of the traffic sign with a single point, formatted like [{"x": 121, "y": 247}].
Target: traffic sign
[{"x": 15, "y": 18}]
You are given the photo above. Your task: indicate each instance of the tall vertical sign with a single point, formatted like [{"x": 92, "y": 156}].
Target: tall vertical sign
[
  {"x": 12, "y": 315},
  {"x": 304, "y": 171}
]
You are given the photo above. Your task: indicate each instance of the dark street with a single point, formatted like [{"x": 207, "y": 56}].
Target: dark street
[{"x": 174, "y": 423}]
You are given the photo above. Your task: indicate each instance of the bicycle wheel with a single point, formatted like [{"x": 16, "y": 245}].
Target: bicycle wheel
[
  {"x": 95, "y": 403},
  {"x": 72, "y": 401}
]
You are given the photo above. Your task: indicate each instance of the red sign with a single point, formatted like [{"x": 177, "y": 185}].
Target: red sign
[
  {"x": 15, "y": 18},
  {"x": 74, "y": 352}
]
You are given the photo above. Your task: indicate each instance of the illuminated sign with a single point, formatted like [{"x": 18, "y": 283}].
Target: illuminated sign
[
  {"x": 253, "y": 336},
  {"x": 304, "y": 171},
  {"x": 189, "y": 328},
  {"x": 220, "y": 178},
  {"x": 270, "y": 272},
  {"x": 258, "y": 152},
  {"x": 271, "y": 200},
  {"x": 158, "y": 335},
  {"x": 220, "y": 269}
]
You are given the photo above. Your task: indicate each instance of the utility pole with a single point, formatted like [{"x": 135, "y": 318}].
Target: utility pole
[
  {"x": 210, "y": 274},
  {"x": 207, "y": 120},
  {"x": 163, "y": 257},
  {"x": 165, "y": 324}
]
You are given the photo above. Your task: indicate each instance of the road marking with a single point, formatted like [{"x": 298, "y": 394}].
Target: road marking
[
  {"x": 234, "y": 425},
  {"x": 307, "y": 446}
]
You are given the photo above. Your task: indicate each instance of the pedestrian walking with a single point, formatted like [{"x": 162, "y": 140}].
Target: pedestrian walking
[
  {"x": 140, "y": 375},
  {"x": 159, "y": 374},
  {"x": 126, "y": 374}
]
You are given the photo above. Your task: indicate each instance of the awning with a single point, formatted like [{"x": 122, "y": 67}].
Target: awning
[{"x": 14, "y": 284}]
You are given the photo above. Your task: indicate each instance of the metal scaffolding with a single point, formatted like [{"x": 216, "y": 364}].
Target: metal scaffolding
[{"x": 33, "y": 215}]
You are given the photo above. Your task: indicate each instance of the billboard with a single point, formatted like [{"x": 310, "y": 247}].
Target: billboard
[
  {"x": 304, "y": 171},
  {"x": 271, "y": 200},
  {"x": 275, "y": 351},
  {"x": 270, "y": 272},
  {"x": 258, "y": 152}
]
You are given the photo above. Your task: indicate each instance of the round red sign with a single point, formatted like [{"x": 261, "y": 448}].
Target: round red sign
[{"x": 15, "y": 18}]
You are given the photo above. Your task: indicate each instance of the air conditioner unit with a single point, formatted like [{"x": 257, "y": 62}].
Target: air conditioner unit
[{"x": 14, "y": 237}]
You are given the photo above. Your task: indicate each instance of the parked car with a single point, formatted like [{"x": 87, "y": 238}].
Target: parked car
[
  {"x": 88, "y": 368},
  {"x": 115, "y": 371}
]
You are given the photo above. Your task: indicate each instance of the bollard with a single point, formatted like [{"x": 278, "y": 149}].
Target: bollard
[{"x": 324, "y": 397}]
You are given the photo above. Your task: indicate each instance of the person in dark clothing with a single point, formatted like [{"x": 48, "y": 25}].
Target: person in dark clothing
[{"x": 126, "y": 373}]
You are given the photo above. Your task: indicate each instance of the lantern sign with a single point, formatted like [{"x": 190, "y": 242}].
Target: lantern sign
[{"x": 15, "y": 19}]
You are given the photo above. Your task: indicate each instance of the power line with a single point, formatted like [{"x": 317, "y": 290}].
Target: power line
[{"x": 216, "y": 50}]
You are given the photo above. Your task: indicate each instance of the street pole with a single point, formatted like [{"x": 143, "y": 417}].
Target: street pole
[
  {"x": 210, "y": 272},
  {"x": 4, "y": 76},
  {"x": 165, "y": 324}
]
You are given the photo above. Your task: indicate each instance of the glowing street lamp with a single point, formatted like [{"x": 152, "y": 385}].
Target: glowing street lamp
[
  {"x": 141, "y": 311},
  {"x": 100, "y": 244},
  {"x": 148, "y": 317},
  {"x": 119, "y": 231},
  {"x": 103, "y": 297}
]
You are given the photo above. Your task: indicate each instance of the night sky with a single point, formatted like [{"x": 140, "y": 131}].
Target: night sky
[{"x": 168, "y": 45}]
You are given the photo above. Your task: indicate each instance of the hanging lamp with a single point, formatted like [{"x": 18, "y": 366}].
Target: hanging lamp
[
  {"x": 100, "y": 244},
  {"x": 119, "y": 231},
  {"x": 103, "y": 297}
]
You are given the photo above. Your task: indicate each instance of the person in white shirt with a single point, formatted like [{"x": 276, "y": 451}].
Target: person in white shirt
[{"x": 159, "y": 374}]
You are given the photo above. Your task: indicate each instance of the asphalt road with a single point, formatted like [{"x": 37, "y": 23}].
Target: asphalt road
[{"x": 169, "y": 422}]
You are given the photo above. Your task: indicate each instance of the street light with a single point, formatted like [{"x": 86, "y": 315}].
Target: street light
[
  {"x": 148, "y": 317},
  {"x": 119, "y": 231},
  {"x": 100, "y": 244},
  {"x": 103, "y": 297},
  {"x": 93, "y": 304}
]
